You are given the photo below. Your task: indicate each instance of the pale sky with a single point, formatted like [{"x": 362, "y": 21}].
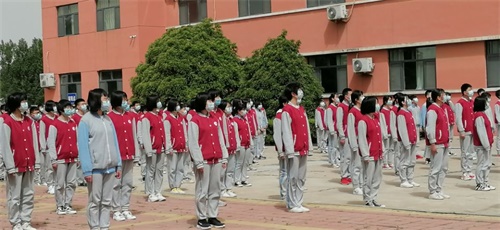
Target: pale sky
[{"x": 20, "y": 19}]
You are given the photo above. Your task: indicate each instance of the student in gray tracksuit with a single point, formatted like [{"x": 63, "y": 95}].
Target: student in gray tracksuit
[
  {"x": 244, "y": 141},
  {"x": 497, "y": 119},
  {"x": 209, "y": 153},
  {"x": 21, "y": 158},
  {"x": 394, "y": 130},
  {"x": 344, "y": 149},
  {"x": 352, "y": 126},
  {"x": 99, "y": 156},
  {"x": 385, "y": 112},
  {"x": 262, "y": 124},
  {"x": 321, "y": 127},
  {"x": 333, "y": 138},
  {"x": 278, "y": 142},
  {"x": 464, "y": 120},
  {"x": 176, "y": 145},
  {"x": 407, "y": 131},
  {"x": 47, "y": 171},
  {"x": 230, "y": 137},
  {"x": 482, "y": 137}
]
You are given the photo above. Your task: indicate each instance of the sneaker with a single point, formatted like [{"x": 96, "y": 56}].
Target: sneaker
[
  {"x": 222, "y": 203},
  {"x": 17, "y": 227},
  {"x": 415, "y": 184},
  {"x": 225, "y": 194},
  {"x": 252, "y": 169},
  {"x": 427, "y": 161},
  {"x": 231, "y": 193},
  {"x": 391, "y": 166},
  {"x": 247, "y": 176},
  {"x": 435, "y": 196},
  {"x": 238, "y": 184},
  {"x": 386, "y": 166},
  {"x": 419, "y": 157},
  {"x": 203, "y": 224},
  {"x": 27, "y": 226},
  {"x": 51, "y": 190},
  {"x": 466, "y": 177},
  {"x": 336, "y": 165},
  {"x": 128, "y": 215},
  {"x": 60, "y": 211},
  {"x": 396, "y": 173},
  {"x": 357, "y": 191},
  {"x": 263, "y": 157},
  {"x": 152, "y": 198},
  {"x": 305, "y": 209},
  {"x": 472, "y": 176},
  {"x": 444, "y": 196},
  {"x": 345, "y": 181},
  {"x": 215, "y": 223},
  {"x": 180, "y": 191},
  {"x": 160, "y": 197},
  {"x": 246, "y": 184},
  {"x": 296, "y": 210},
  {"x": 480, "y": 187},
  {"x": 369, "y": 204},
  {"x": 406, "y": 185},
  {"x": 118, "y": 216},
  {"x": 174, "y": 191},
  {"x": 69, "y": 210},
  {"x": 491, "y": 187},
  {"x": 376, "y": 204}
]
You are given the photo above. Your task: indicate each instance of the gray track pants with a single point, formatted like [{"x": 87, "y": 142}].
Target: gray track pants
[
  {"x": 241, "y": 168},
  {"x": 154, "y": 173},
  {"x": 296, "y": 174},
  {"x": 208, "y": 190},
  {"x": 438, "y": 169},
  {"x": 122, "y": 188},
  {"x": 483, "y": 165},
  {"x": 407, "y": 162},
  {"x": 345, "y": 159},
  {"x": 356, "y": 170},
  {"x": 99, "y": 204},
  {"x": 65, "y": 184},
  {"x": 20, "y": 197},
  {"x": 389, "y": 151},
  {"x": 372, "y": 173},
  {"x": 333, "y": 149},
  {"x": 228, "y": 173},
  {"x": 283, "y": 180},
  {"x": 467, "y": 152},
  {"x": 175, "y": 169}
]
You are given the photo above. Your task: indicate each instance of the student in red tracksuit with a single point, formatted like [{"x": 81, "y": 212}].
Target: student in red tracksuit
[
  {"x": 464, "y": 118},
  {"x": 371, "y": 149},
  {"x": 124, "y": 123},
  {"x": 352, "y": 125},
  {"x": 332, "y": 135},
  {"x": 36, "y": 116},
  {"x": 387, "y": 103},
  {"x": 278, "y": 141},
  {"x": 482, "y": 136},
  {"x": 344, "y": 148},
  {"x": 244, "y": 141},
  {"x": 254, "y": 130},
  {"x": 230, "y": 138},
  {"x": 407, "y": 135},
  {"x": 447, "y": 106},
  {"x": 21, "y": 159},
  {"x": 47, "y": 120},
  {"x": 81, "y": 109},
  {"x": 153, "y": 138},
  {"x": 63, "y": 152}
]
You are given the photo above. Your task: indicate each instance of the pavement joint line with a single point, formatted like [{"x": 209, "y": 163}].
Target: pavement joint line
[
  {"x": 128, "y": 225},
  {"x": 270, "y": 225}
]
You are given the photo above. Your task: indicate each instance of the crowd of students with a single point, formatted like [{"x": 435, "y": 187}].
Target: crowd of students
[{"x": 96, "y": 143}]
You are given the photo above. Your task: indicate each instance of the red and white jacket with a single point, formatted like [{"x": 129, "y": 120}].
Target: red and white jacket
[
  {"x": 62, "y": 141},
  {"x": 126, "y": 133}
]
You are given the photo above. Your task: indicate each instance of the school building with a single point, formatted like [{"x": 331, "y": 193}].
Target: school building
[{"x": 413, "y": 44}]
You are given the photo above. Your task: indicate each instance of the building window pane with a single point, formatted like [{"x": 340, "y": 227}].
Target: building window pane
[
  {"x": 314, "y": 3},
  {"x": 110, "y": 80},
  {"x": 70, "y": 83},
  {"x": 412, "y": 68},
  {"x": 108, "y": 15},
  {"x": 253, "y": 7},
  {"x": 67, "y": 20},
  {"x": 493, "y": 63},
  {"x": 192, "y": 11},
  {"x": 331, "y": 70}
]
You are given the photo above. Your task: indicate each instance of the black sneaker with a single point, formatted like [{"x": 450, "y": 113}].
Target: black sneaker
[
  {"x": 214, "y": 222},
  {"x": 246, "y": 184},
  {"x": 369, "y": 204},
  {"x": 427, "y": 161},
  {"x": 203, "y": 224},
  {"x": 377, "y": 204}
]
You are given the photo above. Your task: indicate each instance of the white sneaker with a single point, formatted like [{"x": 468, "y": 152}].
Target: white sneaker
[
  {"x": 225, "y": 194},
  {"x": 222, "y": 203},
  {"x": 415, "y": 184},
  {"x": 152, "y": 198},
  {"x": 128, "y": 215},
  {"x": 118, "y": 216},
  {"x": 406, "y": 185},
  {"x": 160, "y": 197},
  {"x": 357, "y": 191},
  {"x": 27, "y": 226},
  {"x": 296, "y": 210},
  {"x": 444, "y": 195},
  {"x": 17, "y": 227},
  {"x": 231, "y": 193},
  {"x": 305, "y": 209},
  {"x": 69, "y": 210},
  {"x": 491, "y": 187},
  {"x": 465, "y": 176},
  {"x": 435, "y": 196},
  {"x": 51, "y": 190},
  {"x": 180, "y": 191},
  {"x": 174, "y": 191},
  {"x": 60, "y": 211}
]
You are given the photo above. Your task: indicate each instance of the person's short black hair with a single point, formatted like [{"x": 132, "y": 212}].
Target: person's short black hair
[
  {"x": 191, "y": 103},
  {"x": 282, "y": 100},
  {"x": 368, "y": 105},
  {"x": 497, "y": 93},
  {"x": 135, "y": 103},
  {"x": 238, "y": 105},
  {"x": 14, "y": 101},
  {"x": 78, "y": 101},
  {"x": 213, "y": 93},
  {"x": 3, "y": 107},
  {"x": 427, "y": 92},
  {"x": 117, "y": 98},
  {"x": 291, "y": 88},
  {"x": 464, "y": 87},
  {"x": 436, "y": 93},
  {"x": 165, "y": 103},
  {"x": 411, "y": 97},
  {"x": 94, "y": 99},
  {"x": 200, "y": 103},
  {"x": 385, "y": 99},
  {"x": 480, "y": 104},
  {"x": 223, "y": 104},
  {"x": 49, "y": 106},
  {"x": 151, "y": 102},
  {"x": 356, "y": 95},
  {"x": 63, "y": 103},
  {"x": 486, "y": 95},
  {"x": 447, "y": 93},
  {"x": 428, "y": 102},
  {"x": 172, "y": 104},
  {"x": 34, "y": 109},
  {"x": 331, "y": 98},
  {"x": 401, "y": 99},
  {"x": 346, "y": 91},
  {"x": 480, "y": 91}
]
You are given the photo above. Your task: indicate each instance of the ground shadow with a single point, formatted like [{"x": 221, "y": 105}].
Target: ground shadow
[
  {"x": 345, "y": 190},
  {"x": 38, "y": 224},
  {"x": 393, "y": 183},
  {"x": 274, "y": 197},
  {"x": 280, "y": 206},
  {"x": 79, "y": 207},
  {"x": 420, "y": 194},
  {"x": 194, "y": 221},
  {"x": 356, "y": 202},
  {"x": 465, "y": 186},
  {"x": 388, "y": 173}
]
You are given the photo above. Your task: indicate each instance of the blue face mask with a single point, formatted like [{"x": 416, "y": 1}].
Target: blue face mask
[
  {"x": 158, "y": 105},
  {"x": 69, "y": 112},
  {"x": 105, "y": 106},
  {"x": 210, "y": 106},
  {"x": 24, "y": 107},
  {"x": 217, "y": 102},
  {"x": 37, "y": 117},
  {"x": 125, "y": 106}
]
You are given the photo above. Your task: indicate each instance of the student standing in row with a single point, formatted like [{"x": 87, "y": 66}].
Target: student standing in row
[
  {"x": 370, "y": 148},
  {"x": 63, "y": 153},
  {"x": 483, "y": 142},
  {"x": 262, "y": 126},
  {"x": 99, "y": 155},
  {"x": 438, "y": 142},
  {"x": 297, "y": 142},
  {"x": 388, "y": 159},
  {"x": 209, "y": 154},
  {"x": 352, "y": 134},
  {"x": 447, "y": 106},
  {"x": 153, "y": 138},
  {"x": 47, "y": 170},
  {"x": 230, "y": 137},
  {"x": 278, "y": 141},
  {"x": 36, "y": 116},
  {"x": 321, "y": 129},
  {"x": 124, "y": 123},
  {"x": 331, "y": 132},
  {"x": 407, "y": 135},
  {"x": 394, "y": 130},
  {"x": 21, "y": 159},
  {"x": 81, "y": 109},
  {"x": 344, "y": 149},
  {"x": 244, "y": 141},
  {"x": 465, "y": 118},
  {"x": 497, "y": 119},
  {"x": 488, "y": 110},
  {"x": 176, "y": 145}
]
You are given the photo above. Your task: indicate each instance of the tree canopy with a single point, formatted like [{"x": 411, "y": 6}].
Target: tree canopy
[
  {"x": 20, "y": 66},
  {"x": 189, "y": 60}
]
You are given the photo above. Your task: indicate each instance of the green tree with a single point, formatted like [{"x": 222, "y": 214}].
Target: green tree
[
  {"x": 20, "y": 66},
  {"x": 275, "y": 65},
  {"x": 189, "y": 60}
]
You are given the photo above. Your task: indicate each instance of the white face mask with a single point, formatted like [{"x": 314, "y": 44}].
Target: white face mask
[
  {"x": 322, "y": 104},
  {"x": 259, "y": 107},
  {"x": 415, "y": 100},
  {"x": 177, "y": 108},
  {"x": 229, "y": 110},
  {"x": 377, "y": 107},
  {"x": 361, "y": 99},
  {"x": 299, "y": 101},
  {"x": 471, "y": 93},
  {"x": 389, "y": 102},
  {"x": 336, "y": 100},
  {"x": 300, "y": 94}
]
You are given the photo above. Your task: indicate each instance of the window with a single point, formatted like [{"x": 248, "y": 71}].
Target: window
[
  {"x": 67, "y": 20},
  {"x": 192, "y": 11},
  {"x": 108, "y": 15},
  {"x": 70, "y": 83},
  {"x": 314, "y": 3},
  {"x": 253, "y": 7},
  {"x": 110, "y": 80},
  {"x": 493, "y": 63},
  {"x": 412, "y": 68},
  {"x": 331, "y": 71}
]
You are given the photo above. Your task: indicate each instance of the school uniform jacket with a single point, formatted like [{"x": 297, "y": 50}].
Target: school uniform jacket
[
  {"x": 175, "y": 134},
  {"x": 482, "y": 135},
  {"x": 319, "y": 119},
  {"x": 126, "y": 132},
  {"x": 330, "y": 114},
  {"x": 17, "y": 144},
  {"x": 206, "y": 141},
  {"x": 352, "y": 127},
  {"x": 415, "y": 112},
  {"x": 242, "y": 132},
  {"x": 231, "y": 135},
  {"x": 153, "y": 133},
  {"x": 252, "y": 121},
  {"x": 437, "y": 126},
  {"x": 45, "y": 123},
  {"x": 383, "y": 124},
  {"x": 77, "y": 118},
  {"x": 449, "y": 112},
  {"x": 341, "y": 119},
  {"x": 489, "y": 114},
  {"x": 277, "y": 135},
  {"x": 296, "y": 131},
  {"x": 62, "y": 141},
  {"x": 464, "y": 116},
  {"x": 497, "y": 113},
  {"x": 386, "y": 113},
  {"x": 393, "y": 126},
  {"x": 370, "y": 138},
  {"x": 407, "y": 130}
]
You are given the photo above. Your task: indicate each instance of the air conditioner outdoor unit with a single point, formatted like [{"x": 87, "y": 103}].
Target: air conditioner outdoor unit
[
  {"x": 362, "y": 65},
  {"x": 47, "y": 80},
  {"x": 336, "y": 12}
]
